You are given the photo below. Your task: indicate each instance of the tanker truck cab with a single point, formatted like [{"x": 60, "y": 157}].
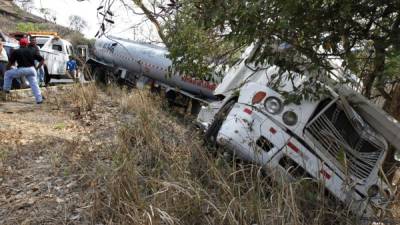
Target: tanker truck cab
[
  {"x": 325, "y": 138},
  {"x": 55, "y": 51}
]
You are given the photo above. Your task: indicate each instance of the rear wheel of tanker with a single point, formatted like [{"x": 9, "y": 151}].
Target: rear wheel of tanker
[
  {"x": 213, "y": 130},
  {"x": 195, "y": 107},
  {"x": 99, "y": 75},
  {"x": 87, "y": 73},
  {"x": 171, "y": 97},
  {"x": 110, "y": 78}
]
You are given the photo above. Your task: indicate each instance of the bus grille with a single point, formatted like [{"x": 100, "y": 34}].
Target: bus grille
[{"x": 333, "y": 133}]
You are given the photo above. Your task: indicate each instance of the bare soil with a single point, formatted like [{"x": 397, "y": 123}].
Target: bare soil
[{"x": 42, "y": 149}]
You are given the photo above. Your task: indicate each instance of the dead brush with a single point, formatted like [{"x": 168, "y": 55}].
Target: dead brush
[
  {"x": 82, "y": 96},
  {"x": 162, "y": 174}
]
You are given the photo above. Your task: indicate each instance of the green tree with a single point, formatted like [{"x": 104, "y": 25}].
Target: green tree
[
  {"x": 27, "y": 27},
  {"x": 364, "y": 34}
]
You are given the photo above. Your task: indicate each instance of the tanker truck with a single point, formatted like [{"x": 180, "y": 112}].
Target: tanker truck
[
  {"x": 339, "y": 140},
  {"x": 128, "y": 62}
]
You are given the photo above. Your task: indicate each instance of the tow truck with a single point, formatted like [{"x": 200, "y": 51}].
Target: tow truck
[{"x": 55, "y": 51}]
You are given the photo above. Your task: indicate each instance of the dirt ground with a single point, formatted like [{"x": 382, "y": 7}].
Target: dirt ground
[{"x": 42, "y": 180}]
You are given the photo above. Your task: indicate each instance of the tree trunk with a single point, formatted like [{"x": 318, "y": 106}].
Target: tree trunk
[
  {"x": 379, "y": 67},
  {"x": 392, "y": 106},
  {"x": 394, "y": 109},
  {"x": 149, "y": 14}
]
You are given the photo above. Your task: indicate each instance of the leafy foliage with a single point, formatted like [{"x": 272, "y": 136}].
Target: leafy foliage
[
  {"x": 363, "y": 35},
  {"x": 27, "y": 27},
  {"x": 198, "y": 55}
]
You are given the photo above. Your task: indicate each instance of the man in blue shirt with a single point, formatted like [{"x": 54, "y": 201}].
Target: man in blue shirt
[{"x": 72, "y": 69}]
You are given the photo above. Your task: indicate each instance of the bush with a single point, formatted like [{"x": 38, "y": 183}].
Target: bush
[{"x": 27, "y": 27}]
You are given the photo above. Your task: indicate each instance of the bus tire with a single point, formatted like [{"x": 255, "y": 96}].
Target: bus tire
[{"x": 213, "y": 130}]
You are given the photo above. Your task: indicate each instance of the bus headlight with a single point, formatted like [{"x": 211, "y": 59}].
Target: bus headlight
[
  {"x": 273, "y": 105},
  {"x": 289, "y": 118}
]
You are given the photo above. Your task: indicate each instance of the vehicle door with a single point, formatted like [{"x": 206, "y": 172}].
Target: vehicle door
[
  {"x": 82, "y": 53},
  {"x": 46, "y": 51},
  {"x": 60, "y": 58}
]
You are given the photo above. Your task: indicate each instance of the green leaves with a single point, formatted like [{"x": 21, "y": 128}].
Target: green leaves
[
  {"x": 28, "y": 27},
  {"x": 195, "y": 49},
  {"x": 204, "y": 34}
]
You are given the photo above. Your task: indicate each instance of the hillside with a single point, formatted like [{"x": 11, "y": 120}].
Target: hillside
[{"x": 11, "y": 15}]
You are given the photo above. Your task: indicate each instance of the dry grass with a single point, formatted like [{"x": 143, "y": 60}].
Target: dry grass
[
  {"x": 80, "y": 97},
  {"x": 141, "y": 165},
  {"x": 160, "y": 173},
  {"x": 84, "y": 96}
]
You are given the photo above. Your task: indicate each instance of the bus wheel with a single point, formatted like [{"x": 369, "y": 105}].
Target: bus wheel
[{"x": 213, "y": 129}]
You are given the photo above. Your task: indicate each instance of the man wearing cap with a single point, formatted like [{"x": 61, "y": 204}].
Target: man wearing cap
[
  {"x": 40, "y": 71},
  {"x": 25, "y": 58}
]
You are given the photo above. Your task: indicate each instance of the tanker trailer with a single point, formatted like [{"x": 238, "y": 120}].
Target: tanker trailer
[{"x": 117, "y": 59}]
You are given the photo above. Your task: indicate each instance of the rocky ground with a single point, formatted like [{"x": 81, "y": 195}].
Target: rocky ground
[{"x": 42, "y": 147}]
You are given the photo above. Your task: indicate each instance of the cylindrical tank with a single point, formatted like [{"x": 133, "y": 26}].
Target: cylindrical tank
[{"x": 148, "y": 60}]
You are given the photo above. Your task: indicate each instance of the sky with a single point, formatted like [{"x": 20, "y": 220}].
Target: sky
[{"x": 123, "y": 17}]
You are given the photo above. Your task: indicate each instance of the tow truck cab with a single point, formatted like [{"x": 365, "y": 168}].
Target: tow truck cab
[{"x": 55, "y": 51}]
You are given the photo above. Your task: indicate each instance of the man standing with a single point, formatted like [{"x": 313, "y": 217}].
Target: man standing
[
  {"x": 40, "y": 70},
  {"x": 25, "y": 57},
  {"x": 72, "y": 68}
]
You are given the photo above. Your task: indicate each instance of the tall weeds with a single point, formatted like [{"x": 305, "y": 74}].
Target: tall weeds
[
  {"x": 160, "y": 173},
  {"x": 82, "y": 96}
]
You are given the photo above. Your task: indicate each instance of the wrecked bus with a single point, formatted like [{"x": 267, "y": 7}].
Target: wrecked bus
[{"x": 327, "y": 139}]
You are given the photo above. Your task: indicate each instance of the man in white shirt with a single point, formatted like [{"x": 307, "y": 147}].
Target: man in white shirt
[{"x": 3, "y": 62}]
